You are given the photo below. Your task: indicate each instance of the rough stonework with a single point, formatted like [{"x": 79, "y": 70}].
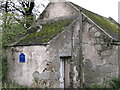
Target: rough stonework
[
  {"x": 72, "y": 49},
  {"x": 100, "y": 58},
  {"x": 44, "y": 59},
  {"x": 63, "y": 10}
]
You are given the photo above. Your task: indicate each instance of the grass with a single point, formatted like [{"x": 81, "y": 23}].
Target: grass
[
  {"x": 11, "y": 84},
  {"x": 47, "y": 32},
  {"x": 113, "y": 84},
  {"x": 103, "y": 22}
]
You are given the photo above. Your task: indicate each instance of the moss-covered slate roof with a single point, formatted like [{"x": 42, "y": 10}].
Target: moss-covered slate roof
[
  {"x": 48, "y": 31},
  {"x": 111, "y": 28}
]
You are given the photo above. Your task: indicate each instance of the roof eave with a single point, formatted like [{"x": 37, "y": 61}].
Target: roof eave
[{"x": 42, "y": 44}]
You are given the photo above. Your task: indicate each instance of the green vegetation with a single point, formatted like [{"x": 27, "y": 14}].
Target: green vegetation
[
  {"x": 99, "y": 86},
  {"x": 11, "y": 84},
  {"x": 42, "y": 15},
  {"x": 114, "y": 84},
  {"x": 0, "y": 72},
  {"x": 47, "y": 32},
  {"x": 12, "y": 29},
  {"x": 4, "y": 69},
  {"x": 110, "y": 27},
  {"x": 103, "y": 22}
]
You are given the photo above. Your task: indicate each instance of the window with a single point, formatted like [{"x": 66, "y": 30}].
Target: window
[{"x": 22, "y": 58}]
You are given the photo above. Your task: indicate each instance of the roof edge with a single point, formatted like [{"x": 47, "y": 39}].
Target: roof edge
[
  {"x": 64, "y": 29},
  {"x": 99, "y": 27},
  {"x": 93, "y": 22},
  {"x": 42, "y": 44}
]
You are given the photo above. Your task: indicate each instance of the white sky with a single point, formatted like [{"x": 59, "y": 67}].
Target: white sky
[{"x": 103, "y": 7}]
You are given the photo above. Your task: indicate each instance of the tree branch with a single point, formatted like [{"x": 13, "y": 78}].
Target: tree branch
[
  {"x": 6, "y": 6},
  {"x": 18, "y": 9}
]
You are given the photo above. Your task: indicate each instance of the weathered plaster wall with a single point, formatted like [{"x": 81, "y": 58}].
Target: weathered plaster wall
[
  {"x": 42, "y": 66},
  {"x": 59, "y": 9},
  {"x": 100, "y": 57},
  {"x": 22, "y": 73},
  {"x": 75, "y": 63},
  {"x": 63, "y": 45}
]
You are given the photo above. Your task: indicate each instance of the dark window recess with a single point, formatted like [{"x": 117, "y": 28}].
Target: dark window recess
[{"x": 22, "y": 58}]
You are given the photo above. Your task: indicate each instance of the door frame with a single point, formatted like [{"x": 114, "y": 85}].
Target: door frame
[{"x": 64, "y": 71}]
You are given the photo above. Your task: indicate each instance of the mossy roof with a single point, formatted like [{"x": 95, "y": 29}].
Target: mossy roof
[
  {"x": 110, "y": 27},
  {"x": 48, "y": 31}
]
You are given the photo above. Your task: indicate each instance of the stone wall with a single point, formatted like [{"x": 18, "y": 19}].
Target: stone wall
[
  {"x": 42, "y": 66},
  {"x": 100, "y": 57},
  {"x": 59, "y": 9},
  {"x": 22, "y": 73},
  {"x": 67, "y": 44}
]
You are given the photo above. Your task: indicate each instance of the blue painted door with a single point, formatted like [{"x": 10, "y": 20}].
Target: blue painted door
[{"x": 22, "y": 58}]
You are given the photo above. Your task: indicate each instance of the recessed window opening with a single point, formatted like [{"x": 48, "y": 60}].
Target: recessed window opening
[{"x": 22, "y": 58}]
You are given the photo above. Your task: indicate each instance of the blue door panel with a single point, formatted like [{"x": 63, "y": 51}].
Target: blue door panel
[{"x": 22, "y": 58}]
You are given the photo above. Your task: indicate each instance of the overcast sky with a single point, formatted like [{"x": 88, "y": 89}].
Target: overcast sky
[{"x": 103, "y": 7}]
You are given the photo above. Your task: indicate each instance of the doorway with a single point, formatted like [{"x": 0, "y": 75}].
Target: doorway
[{"x": 64, "y": 72}]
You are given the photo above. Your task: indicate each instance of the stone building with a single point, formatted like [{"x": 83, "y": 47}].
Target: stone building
[{"x": 68, "y": 46}]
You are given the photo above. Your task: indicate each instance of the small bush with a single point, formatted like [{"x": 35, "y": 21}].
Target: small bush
[
  {"x": 11, "y": 84},
  {"x": 115, "y": 83},
  {"x": 98, "y": 86}
]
